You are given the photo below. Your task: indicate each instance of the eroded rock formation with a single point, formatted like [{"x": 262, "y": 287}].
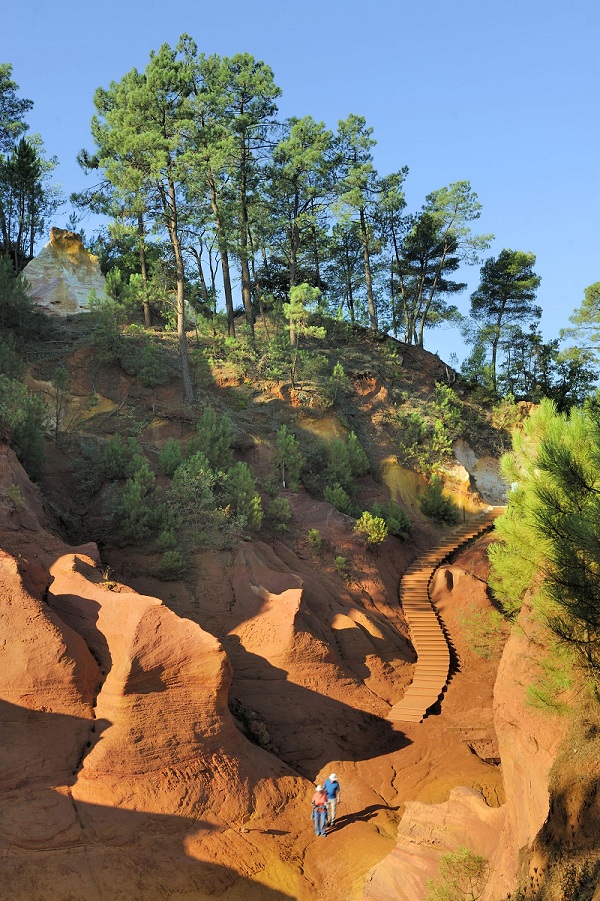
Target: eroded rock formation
[
  {"x": 122, "y": 769},
  {"x": 61, "y": 277}
]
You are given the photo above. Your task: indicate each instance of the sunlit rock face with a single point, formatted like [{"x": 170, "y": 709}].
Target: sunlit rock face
[
  {"x": 484, "y": 473},
  {"x": 61, "y": 277}
]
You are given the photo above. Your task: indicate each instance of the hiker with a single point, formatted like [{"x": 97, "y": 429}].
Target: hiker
[
  {"x": 332, "y": 790},
  {"x": 319, "y": 809}
]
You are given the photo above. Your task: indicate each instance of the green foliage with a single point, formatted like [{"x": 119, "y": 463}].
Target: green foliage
[
  {"x": 288, "y": 458},
  {"x": 427, "y": 437},
  {"x": 436, "y": 505},
  {"x": 314, "y": 538},
  {"x": 279, "y": 513},
  {"x": 23, "y": 417},
  {"x": 172, "y": 565},
  {"x": 463, "y": 877},
  {"x": 341, "y": 565},
  {"x": 556, "y": 677},
  {"x": 338, "y": 384},
  {"x": 11, "y": 364},
  {"x": 339, "y": 498},
  {"x": 171, "y": 457},
  {"x": 549, "y": 534},
  {"x": 449, "y": 408},
  {"x": 395, "y": 518},
  {"x": 240, "y": 492},
  {"x": 372, "y": 527},
  {"x": 167, "y": 540},
  {"x": 115, "y": 459},
  {"x": 338, "y": 470},
  {"x": 203, "y": 374},
  {"x": 61, "y": 382},
  {"x": 120, "y": 459},
  {"x": 214, "y": 438},
  {"x": 503, "y": 300},
  {"x": 132, "y": 510},
  {"x": 506, "y": 414},
  {"x": 359, "y": 462},
  {"x": 484, "y": 631},
  {"x": 18, "y": 314}
]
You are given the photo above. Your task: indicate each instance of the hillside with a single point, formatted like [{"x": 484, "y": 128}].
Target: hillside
[{"x": 167, "y": 725}]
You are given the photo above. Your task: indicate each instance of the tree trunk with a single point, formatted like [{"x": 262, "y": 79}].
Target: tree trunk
[
  {"x": 144, "y": 270},
  {"x": 368, "y": 278},
  {"x": 170, "y": 209},
  {"x": 246, "y": 292},
  {"x": 222, "y": 242}
]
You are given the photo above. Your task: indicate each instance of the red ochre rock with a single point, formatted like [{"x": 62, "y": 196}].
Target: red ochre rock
[{"x": 122, "y": 771}]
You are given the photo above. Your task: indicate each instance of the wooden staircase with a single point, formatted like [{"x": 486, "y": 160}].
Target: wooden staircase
[{"x": 433, "y": 654}]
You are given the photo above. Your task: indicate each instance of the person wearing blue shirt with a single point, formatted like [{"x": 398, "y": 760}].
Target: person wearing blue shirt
[{"x": 332, "y": 790}]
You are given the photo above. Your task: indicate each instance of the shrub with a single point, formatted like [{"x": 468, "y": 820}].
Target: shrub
[
  {"x": 483, "y": 630},
  {"x": 121, "y": 459},
  {"x": 288, "y": 458},
  {"x": 341, "y": 565},
  {"x": 213, "y": 439},
  {"x": 314, "y": 538},
  {"x": 359, "y": 462},
  {"x": 463, "y": 877},
  {"x": 11, "y": 364},
  {"x": 434, "y": 504},
  {"x": 167, "y": 540},
  {"x": 279, "y": 513},
  {"x": 372, "y": 527},
  {"x": 395, "y": 518},
  {"x": 240, "y": 492},
  {"x": 338, "y": 470},
  {"x": 172, "y": 565},
  {"x": 338, "y": 498},
  {"x": 18, "y": 313},
  {"x": 338, "y": 383},
  {"x": 171, "y": 456},
  {"x": 133, "y": 510}
]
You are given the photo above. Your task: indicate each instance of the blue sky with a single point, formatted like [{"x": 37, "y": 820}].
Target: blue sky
[{"x": 504, "y": 94}]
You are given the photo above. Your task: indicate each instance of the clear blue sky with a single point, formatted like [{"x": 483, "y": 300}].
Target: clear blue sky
[{"x": 504, "y": 94}]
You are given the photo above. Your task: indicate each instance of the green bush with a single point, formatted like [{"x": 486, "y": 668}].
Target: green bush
[
  {"x": 11, "y": 364},
  {"x": 338, "y": 498},
  {"x": 240, "y": 492},
  {"x": 314, "y": 538},
  {"x": 395, "y": 518},
  {"x": 171, "y": 457},
  {"x": 172, "y": 565},
  {"x": 338, "y": 470},
  {"x": 279, "y": 513},
  {"x": 359, "y": 462},
  {"x": 436, "y": 505},
  {"x": 463, "y": 877},
  {"x": 372, "y": 527},
  {"x": 483, "y": 630},
  {"x": 288, "y": 458},
  {"x": 167, "y": 540},
  {"x": 121, "y": 459},
  {"x": 133, "y": 510},
  {"x": 18, "y": 313},
  {"x": 338, "y": 384},
  {"x": 23, "y": 418},
  {"x": 341, "y": 565},
  {"x": 213, "y": 439}
]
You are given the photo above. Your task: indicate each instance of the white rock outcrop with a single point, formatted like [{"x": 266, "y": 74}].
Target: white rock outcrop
[{"x": 61, "y": 277}]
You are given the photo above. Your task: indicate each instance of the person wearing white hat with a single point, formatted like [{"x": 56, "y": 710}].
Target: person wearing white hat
[{"x": 332, "y": 790}]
